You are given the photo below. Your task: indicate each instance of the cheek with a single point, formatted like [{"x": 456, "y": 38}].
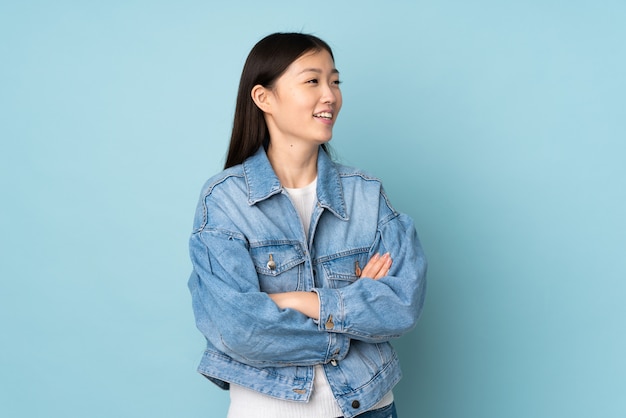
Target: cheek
[{"x": 297, "y": 102}]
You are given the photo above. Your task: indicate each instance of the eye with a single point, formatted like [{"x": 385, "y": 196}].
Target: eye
[
  {"x": 337, "y": 82},
  {"x": 313, "y": 81}
]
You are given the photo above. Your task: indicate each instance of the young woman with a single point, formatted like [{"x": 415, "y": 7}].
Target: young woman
[{"x": 293, "y": 283}]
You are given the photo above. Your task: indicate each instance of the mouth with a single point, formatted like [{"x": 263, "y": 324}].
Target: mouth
[{"x": 323, "y": 115}]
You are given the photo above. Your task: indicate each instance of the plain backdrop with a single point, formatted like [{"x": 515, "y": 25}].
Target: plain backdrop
[{"x": 499, "y": 126}]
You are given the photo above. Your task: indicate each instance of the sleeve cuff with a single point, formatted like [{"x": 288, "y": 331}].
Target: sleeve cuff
[{"x": 332, "y": 315}]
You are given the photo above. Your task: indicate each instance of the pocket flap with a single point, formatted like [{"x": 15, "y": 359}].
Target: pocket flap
[{"x": 274, "y": 259}]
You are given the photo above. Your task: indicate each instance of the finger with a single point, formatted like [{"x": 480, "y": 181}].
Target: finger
[
  {"x": 377, "y": 266},
  {"x": 372, "y": 266},
  {"x": 384, "y": 269}
]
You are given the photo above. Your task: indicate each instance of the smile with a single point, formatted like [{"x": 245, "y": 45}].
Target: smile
[{"x": 324, "y": 115}]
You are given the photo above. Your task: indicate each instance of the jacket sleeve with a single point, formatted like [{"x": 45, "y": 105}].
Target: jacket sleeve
[
  {"x": 241, "y": 321},
  {"x": 379, "y": 310}
]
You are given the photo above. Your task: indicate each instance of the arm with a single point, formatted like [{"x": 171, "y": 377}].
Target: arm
[
  {"x": 379, "y": 310},
  {"x": 240, "y": 320},
  {"x": 308, "y": 302}
]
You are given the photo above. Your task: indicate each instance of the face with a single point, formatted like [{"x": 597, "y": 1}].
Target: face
[{"x": 303, "y": 104}]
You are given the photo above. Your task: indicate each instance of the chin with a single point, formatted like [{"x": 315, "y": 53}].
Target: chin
[
  {"x": 324, "y": 141},
  {"x": 326, "y": 138}
]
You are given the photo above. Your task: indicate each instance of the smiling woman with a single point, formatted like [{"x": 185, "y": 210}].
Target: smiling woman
[
  {"x": 300, "y": 109},
  {"x": 307, "y": 93},
  {"x": 303, "y": 272}
]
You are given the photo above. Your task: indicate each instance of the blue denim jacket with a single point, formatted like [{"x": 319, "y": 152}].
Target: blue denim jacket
[{"x": 248, "y": 241}]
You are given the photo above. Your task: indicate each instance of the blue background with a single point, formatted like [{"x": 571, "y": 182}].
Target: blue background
[{"x": 499, "y": 126}]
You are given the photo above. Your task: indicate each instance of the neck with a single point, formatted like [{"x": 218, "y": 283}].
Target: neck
[{"x": 295, "y": 168}]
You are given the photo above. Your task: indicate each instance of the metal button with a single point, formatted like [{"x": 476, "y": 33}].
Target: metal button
[
  {"x": 356, "y": 404},
  {"x": 271, "y": 264},
  {"x": 333, "y": 362},
  {"x": 357, "y": 269},
  {"x": 330, "y": 324}
]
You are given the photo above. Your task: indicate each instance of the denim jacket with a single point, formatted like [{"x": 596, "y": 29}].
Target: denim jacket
[{"x": 248, "y": 241}]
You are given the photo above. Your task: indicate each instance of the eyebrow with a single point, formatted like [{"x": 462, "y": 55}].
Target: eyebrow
[{"x": 317, "y": 70}]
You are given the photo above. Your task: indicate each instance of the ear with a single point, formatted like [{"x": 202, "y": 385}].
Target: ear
[{"x": 261, "y": 97}]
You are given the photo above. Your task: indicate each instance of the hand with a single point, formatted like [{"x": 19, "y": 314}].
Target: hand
[
  {"x": 378, "y": 267},
  {"x": 305, "y": 302},
  {"x": 308, "y": 302}
]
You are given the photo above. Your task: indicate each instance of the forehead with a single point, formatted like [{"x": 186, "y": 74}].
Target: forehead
[{"x": 315, "y": 61}]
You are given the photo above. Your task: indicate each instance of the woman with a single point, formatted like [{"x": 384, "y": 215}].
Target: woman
[{"x": 293, "y": 284}]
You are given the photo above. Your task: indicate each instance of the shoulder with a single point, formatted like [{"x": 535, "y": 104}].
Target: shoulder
[
  {"x": 364, "y": 185},
  {"x": 230, "y": 178},
  {"x": 347, "y": 172},
  {"x": 360, "y": 182},
  {"x": 222, "y": 194}
]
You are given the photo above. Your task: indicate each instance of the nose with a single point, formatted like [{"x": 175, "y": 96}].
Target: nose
[{"x": 329, "y": 95}]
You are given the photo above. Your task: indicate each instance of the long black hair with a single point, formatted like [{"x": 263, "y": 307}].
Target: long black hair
[{"x": 267, "y": 61}]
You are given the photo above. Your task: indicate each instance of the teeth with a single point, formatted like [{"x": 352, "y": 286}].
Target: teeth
[{"x": 326, "y": 115}]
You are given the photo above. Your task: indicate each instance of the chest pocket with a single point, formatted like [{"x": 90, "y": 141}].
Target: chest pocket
[
  {"x": 280, "y": 267},
  {"x": 344, "y": 269}
]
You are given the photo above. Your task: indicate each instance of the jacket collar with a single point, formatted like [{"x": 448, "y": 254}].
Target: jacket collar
[{"x": 262, "y": 182}]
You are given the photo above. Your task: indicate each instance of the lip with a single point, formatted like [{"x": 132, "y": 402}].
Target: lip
[
  {"x": 324, "y": 120},
  {"x": 328, "y": 122}
]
